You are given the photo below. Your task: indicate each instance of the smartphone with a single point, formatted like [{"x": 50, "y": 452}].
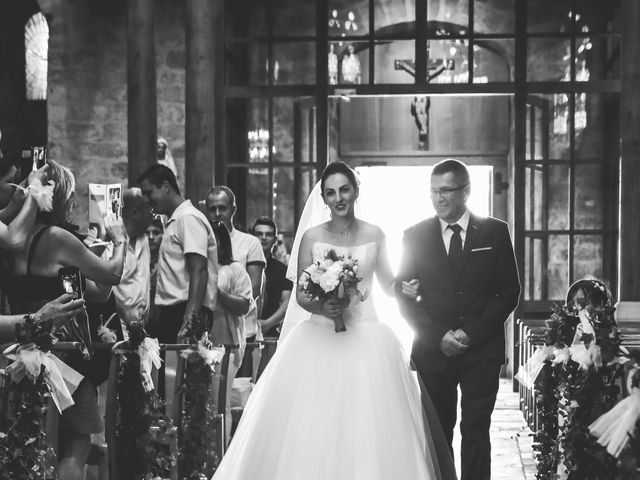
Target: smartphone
[
  {"x": 31, "y": 160},
  {"x": 71, "y": 281},
  {"x": 38, "y": 157}
]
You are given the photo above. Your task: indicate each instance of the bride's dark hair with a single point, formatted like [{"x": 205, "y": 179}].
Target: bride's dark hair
[{"x": 338, "y": 167}]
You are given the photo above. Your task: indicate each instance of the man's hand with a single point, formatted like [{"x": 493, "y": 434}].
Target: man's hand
[
  {"x": 61, "y": 310},
  {"x": 411, "y": 288},
  {"x": 451, "y": 346},
  {"x": 461, "y": 336}
]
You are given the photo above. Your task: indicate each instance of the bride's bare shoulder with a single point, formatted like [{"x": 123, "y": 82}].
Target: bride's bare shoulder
[
  {"x": 314, "y": 234},
  {"x": 371, "y": 232}
]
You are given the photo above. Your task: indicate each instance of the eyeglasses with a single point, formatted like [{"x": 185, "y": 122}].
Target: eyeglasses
[{"x": 446, "y": 192}]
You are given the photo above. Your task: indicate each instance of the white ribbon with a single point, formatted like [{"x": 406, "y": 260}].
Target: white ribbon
[
  {"x": 42, "y": 194},
  {"x": 61, "y": 379},
  {"x": 561, "y": 355},
  {"x": 614, "y": 428},
  {"x": 586, "y": 357},
  {"x": 585, "y": 327},
  {"x": 528, "y": 373},
  {"x": 149, "y": 352},
  {"x": 211, "y": 356}
]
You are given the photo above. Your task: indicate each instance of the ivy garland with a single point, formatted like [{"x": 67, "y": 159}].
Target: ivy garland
[
  {"x": 570, "y": 398},
  {"x": 24, "y": 453},
  {"x": 139, "y": 455},
  {"x": 196, "y": 462}
]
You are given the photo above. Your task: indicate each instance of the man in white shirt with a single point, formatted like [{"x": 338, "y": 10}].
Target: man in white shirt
[
  {"x": 132, "y": 294},
  {"x": 188, "y": 260},
  {"x": 221, "y": 207}
]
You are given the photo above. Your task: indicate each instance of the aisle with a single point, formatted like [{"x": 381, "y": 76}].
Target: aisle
[{"x": 512, "y": 457}]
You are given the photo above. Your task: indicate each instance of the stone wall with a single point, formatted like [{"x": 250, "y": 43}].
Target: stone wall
[{"x": 87, "y": 98}]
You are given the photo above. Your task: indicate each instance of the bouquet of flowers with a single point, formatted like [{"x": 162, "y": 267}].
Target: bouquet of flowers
[{"x": 333, "y": 276}]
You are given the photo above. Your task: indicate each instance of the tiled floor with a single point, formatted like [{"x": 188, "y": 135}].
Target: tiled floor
[{"x": 512, "y": 456}]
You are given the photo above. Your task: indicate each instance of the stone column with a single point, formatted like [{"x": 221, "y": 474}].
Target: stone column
[
  {"x": 142, "y": 116},
  {"x": 204, "y": 19},
  {"x": 629, "y": 305}
]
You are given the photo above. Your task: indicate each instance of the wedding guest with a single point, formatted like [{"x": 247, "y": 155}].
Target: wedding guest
[
  {"x": 132, "y": 293},
  {"x": 234, "y": 300},
  {"x": 221, "y": 207},
  {"x": 277, "y": 288},
  {"x": 187, "y": 263},
  {"x": 35, "y": 282},
  {"x": 18, "y": 217},
  {"x": 154, "y": 235}
]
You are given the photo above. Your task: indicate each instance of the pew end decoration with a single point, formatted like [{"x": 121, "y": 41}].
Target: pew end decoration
[
  {"x": 141, "y": 424},
  {"x": 31, "y": 384},
  {"x": 200, "y": 426}
]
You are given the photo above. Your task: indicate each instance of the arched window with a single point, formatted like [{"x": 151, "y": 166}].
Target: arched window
[{"x": 36, "y": 45}]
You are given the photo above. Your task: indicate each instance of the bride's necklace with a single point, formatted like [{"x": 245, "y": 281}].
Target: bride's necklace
[{"x": 344, "y": 232}]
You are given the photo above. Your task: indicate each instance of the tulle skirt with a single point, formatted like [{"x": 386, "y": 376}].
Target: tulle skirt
[{"x": 337, "y": 406}]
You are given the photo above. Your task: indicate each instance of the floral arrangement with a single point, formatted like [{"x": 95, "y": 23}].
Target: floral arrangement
[
  {"x": 574, "y": 375},
  {"x": 140, "y": 409},
  {"x": 198, "y": 430},
  {"x": 24, "y": 453},
  {"x": 333, "y": 276}
]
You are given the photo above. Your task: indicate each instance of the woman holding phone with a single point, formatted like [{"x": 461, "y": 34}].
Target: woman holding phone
[{"x": 35, "y": 281}]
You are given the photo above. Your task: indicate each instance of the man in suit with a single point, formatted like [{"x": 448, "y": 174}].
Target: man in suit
[{"x": 457, "y": 285}]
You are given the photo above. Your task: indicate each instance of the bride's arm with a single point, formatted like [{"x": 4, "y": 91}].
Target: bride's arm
[
  {"x": 304, "y": 260},
  {"x": 384, "y": 275}
]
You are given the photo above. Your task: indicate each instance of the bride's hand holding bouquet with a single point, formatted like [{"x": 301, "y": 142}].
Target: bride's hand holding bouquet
[{"x": 333, "y": 282}]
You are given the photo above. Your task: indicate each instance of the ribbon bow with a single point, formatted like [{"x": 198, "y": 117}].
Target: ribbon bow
[
  {"x": 614, "y": 428},
  {"x": 528, "y": 373},
  {"x": 61, "y": 379},
  {"x": 149, "y": 352},
  {"x": 203, "y": 350},
  {"x": 585, "y": 327}
]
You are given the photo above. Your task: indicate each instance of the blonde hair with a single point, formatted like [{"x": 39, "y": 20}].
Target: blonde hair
[{"x": 65, "y": 186}]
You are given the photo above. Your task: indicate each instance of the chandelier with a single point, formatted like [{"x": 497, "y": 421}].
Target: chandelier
[{"x": 259, "y": 145}]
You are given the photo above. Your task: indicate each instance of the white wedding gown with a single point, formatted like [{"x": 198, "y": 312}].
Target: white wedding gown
[{"x": 337, "y": 406}]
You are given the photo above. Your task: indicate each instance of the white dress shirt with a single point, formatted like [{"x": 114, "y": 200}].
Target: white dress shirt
[
  {"x": 132, "y": 294},
  {"x": 187, "y": 231},
  {"x": 447, "y": 233},
  {"x": 247, "y": 250}
]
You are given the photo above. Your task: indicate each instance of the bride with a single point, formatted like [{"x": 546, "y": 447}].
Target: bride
[{"x": 339, "y": 406}]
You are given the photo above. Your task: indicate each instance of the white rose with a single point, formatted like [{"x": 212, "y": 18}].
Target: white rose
[{"x": 330, "y": 280}]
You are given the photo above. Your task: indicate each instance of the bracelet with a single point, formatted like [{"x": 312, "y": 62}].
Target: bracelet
[
  {"x": 33, "y": 317},
  {"x": 418, "y": 298},
  {"x": 119, "y": 242}
]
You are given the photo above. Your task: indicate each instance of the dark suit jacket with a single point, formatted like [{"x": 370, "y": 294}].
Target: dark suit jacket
[{"x": 479, "y": 299}]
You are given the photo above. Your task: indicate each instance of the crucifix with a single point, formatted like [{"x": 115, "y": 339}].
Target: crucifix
[{"x": 420, "y": 104}]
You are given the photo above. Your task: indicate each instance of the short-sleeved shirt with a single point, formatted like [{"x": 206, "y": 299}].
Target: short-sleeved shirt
[
  {"x": 187, "y": 231},
  {"x": 132, "y": 293},
  {"x": 227, "y": 327},
  {"x": 247, "y": 250},
  {"x": 276, "y": 282}
]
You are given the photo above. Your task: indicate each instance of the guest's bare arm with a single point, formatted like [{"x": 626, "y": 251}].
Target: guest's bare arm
[{"x": 59, "y": 311}]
